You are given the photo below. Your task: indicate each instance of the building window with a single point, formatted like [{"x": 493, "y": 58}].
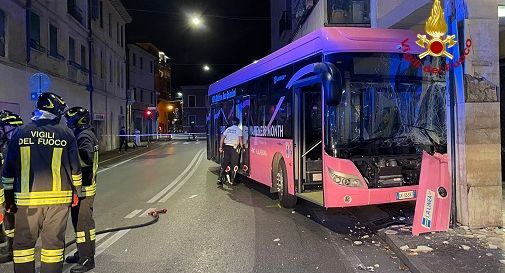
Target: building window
[
  {"x": 122, "y": 36},
  {"x": 349, "y": 12},
  {"x": 134, "y": 94},
  {"x": 53, "y": 42},
  {"x": 75, "y": 11},
  {"x": 152, "y": 67},
  {"x": 110, "y": 25},
  {"x": 101, "y": 65},
  {"x": 2, "y": 33},
  {"x": 110, "y": 69},
  {"x": 101, "y": 14},
  {"x": 141, "y": 95},
  {"x": 83, "y": 57},
  {"x": 118, "y": 73},
  {"x": 117, "y": 32},
  {"x": 35, "y": 42},
  {"x": 191, "y": 101},
  {"x": 71, "y": 49},
  {"x": 141, "y": 62},
  {"x": 152, "y": 98},
  {"x": 134, "y": 59}
]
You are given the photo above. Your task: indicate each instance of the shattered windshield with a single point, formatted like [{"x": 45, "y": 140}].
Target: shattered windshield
[{"x": 386, "y": 103}]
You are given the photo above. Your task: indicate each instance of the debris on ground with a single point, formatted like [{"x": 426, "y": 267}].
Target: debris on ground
[
  {"x": 391, "y": 232},
  {"x": 276, "y": 239},
  {"x": 465, "y": 247},
  {"x": 404, "y": 248},
  {"x": 421, "y": 248},
  {"x": 445, "y": 242},
  {"x": 357, "y": 243}
]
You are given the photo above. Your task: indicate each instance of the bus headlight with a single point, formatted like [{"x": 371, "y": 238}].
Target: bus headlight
[{"x": 344, "y": 180}]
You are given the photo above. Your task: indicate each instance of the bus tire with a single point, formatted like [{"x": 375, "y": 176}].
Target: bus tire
[{"x": 280, "y": 181}]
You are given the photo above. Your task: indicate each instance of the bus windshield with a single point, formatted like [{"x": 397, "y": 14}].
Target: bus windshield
[{"x": 387, "y": 107}]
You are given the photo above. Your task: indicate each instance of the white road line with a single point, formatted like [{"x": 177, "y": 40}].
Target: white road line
[
  {"x": 133, "y": 214},
  {"x": 175, "y": 143},
  {"x": 128, "y": 160},
  {"x": 186, "y": 143},
  {"x": 144, "y": 214},
  {"x": 102, "y": 247},
  {"x": 167, "y": 188},
  {"x": 176, "y": 188}
]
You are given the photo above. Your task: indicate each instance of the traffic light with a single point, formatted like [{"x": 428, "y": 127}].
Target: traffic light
[{"x": 149, "y": 114}]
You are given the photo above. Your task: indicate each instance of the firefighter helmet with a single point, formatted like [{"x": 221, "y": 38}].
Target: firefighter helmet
[
  {"x": 51, "y": 103},
  {"x": 7, "y": 118},
  {"x": 77, "y": 118}
]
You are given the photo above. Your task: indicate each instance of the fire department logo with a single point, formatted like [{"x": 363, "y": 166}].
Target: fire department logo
[{"x": 436, "y": 27}]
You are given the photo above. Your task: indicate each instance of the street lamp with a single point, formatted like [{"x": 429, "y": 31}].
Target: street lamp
[
  {"x": 206, "y": 68},
  {"x": 179, "y": 94},
  {"x": 195, "y": 21},
  {"x": 170, "y": 107}
]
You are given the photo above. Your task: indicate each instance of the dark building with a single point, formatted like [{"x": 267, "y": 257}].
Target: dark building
[{"x": 195, "y": 107}]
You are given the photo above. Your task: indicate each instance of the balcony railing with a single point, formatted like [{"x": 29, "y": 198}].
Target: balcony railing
[{"x": 349, "y": 12}]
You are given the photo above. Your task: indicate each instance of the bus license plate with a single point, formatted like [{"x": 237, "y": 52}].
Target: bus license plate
[{"x": 405, "y": 195}]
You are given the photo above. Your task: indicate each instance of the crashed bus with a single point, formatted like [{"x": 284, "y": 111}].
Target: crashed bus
[{"x": 339, "y": 117}]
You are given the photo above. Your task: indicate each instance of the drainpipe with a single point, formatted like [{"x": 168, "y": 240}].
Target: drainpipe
[
  {"x": 28, "y": 28},
  {"x": 90, "y": 63}
]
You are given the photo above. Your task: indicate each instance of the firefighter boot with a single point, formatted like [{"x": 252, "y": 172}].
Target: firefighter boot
[
  {"x": 83, "y": 266},
  {"x": 73, "y": 259}
]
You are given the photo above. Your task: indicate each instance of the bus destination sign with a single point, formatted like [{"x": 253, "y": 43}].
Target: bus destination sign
[{"x": 224, "y": 95}]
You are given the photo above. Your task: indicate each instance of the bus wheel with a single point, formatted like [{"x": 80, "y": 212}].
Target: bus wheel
[{"x": 281, "y": 183}]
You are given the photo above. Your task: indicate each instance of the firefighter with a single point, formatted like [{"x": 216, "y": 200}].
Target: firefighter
[
  {"x": 230, "y": 143},
  {"x": 78, "y": 119},
  {"x": 41, "y": 178},
  {"x": 8, "y": 123}
]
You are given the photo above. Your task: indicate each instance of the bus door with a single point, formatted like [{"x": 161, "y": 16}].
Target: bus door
[
  {"x": 245, "y": 107},
  {"x": 308, "y": 141}
]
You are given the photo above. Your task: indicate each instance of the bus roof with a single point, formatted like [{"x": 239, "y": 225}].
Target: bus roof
[{"x": 325, "y": 40}]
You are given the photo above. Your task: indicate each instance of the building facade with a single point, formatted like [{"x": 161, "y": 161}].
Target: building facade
[
  {"x": 195, "y": 108},
  {"x": 141, "y": 65},
  {"x": 479, "y": 138},
  {"x": 71, "y": 44},
  {"x": 162, "y": 84}
]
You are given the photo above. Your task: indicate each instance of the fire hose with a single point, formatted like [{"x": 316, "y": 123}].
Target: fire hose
[{"x": 155, "y": 214}]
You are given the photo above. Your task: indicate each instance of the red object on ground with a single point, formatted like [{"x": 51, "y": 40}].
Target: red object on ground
[{"x": 433, "y": 205}]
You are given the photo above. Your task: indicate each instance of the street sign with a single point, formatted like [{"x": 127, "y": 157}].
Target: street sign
[{"x": 39, "y": 83}]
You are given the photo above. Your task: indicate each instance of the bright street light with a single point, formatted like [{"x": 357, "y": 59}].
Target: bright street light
[
  {"x": 196, "y": 20},
  {"x": 170, "y": 107},
  {"x": 206, "y": 67},
  {"x": 179, "y": 94}
]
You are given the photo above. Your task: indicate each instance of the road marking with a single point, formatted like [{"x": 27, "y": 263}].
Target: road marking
[
  {"x": 193, "y": 196},
  {"x": 171, "y": 185},
  {"x": 186, "y": 143},
  {"x": 133, "y": 214},
  {"x": 175, "y": 143},
  {"x": 145, "y": 213},
  {"x": 128, "y": 160},
  {"x": 176, "y": 188},
  {"x": 102, "y": 247}
]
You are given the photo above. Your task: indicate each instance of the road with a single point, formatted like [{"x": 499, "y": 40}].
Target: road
[{"x": 212, "y": 229}]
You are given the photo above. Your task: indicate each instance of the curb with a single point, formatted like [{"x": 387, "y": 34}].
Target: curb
[{"x": 411, "y": 263}]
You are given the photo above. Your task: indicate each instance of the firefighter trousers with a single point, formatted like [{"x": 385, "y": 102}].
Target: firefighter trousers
[
  {"x": 9, "y": 228},
  {"x": 50, "y": 223},
  {"x": 84, "y": 227}
]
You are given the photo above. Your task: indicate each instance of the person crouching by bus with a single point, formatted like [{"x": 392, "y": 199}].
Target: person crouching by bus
[
  {"x": 231, "y": 140},
  {"x": 78, "y": 119},
  {"x": 8, "y": 123}
]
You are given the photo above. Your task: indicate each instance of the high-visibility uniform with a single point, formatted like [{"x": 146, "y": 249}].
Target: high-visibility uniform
[
  {"x": 42, "y": 169},
  {"x": 82, "y": 215},
  {"x": 8, "y": 221}
]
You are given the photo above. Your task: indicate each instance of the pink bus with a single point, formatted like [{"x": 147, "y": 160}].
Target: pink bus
[{"x": 339, "y": 117}]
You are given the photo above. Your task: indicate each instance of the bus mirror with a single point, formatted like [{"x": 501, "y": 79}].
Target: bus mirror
[{"x": 332, "y": 81}]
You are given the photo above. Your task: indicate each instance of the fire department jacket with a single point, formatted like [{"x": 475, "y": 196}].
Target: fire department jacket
[
  {"x": 42, "y": 164},
  {"x": 88, "y": 153},
  {"x": 2, "y": 194}
]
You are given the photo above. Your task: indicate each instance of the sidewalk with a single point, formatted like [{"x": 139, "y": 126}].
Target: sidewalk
[
  {"x": 456, "y": 251},
  {"x": 115, "y": 155}
]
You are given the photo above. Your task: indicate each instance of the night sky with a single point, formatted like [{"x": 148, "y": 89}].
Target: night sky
[{"x": 235, "y": 33}]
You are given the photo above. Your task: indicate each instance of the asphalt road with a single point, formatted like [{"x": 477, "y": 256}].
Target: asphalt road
[{"x": 212, "y": 229}]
